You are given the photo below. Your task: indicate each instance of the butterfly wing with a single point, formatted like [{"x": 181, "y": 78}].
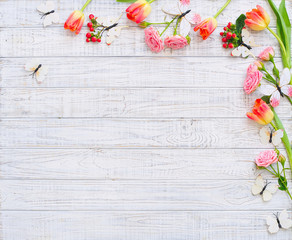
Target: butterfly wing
[
  {"x": 285, "y": 77},
  {"x": 272, "y": 223},
  {"x": 51, "y": 18},
  {"x": 237, "y": 51},
  {"x": 171, "y": 9},
  {"x": 32, "y": 65},
  {"x": 258, "y": 185},
  {"x": 46, "y": 7},
  {"x": 265, "y": 134},
  {"x": 287, "y": 90},
  {"x": 185, "y": 27},
  {"x": 193, "y": 18},
  {"x": 277, "y": 137},
  {"x": 113, "y": 33},
  {"x": 267, "y": 90},
  {"x": 284, "y": 220},
  {"x": 41, "y": 74},
  {"x": 269, "y": 191},
  {"x": 275, "y": 99}
]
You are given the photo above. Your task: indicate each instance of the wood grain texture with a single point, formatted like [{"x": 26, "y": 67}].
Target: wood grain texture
[
  {"x": 180, "y": 164},
  {"x": 33, "y": 42},
  {"x": 26, "y": 15},
  {"x": 126, "y": 195},
  {"x": 152, "y": 146},
  {"x": 120, "y": 225},
  {"x": 129, "y": 72},
  {"x": 138, "y": 103},
  {"x": 128, "y": 133}
]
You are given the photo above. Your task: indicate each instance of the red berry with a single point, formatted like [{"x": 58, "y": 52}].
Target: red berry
[
  {"x": 88, "y": 35},
  {"x": 98, "y": 40},
  {"x": 87, "y": 39},
  {"x": 228, "y": 35},
  {"x": 91, "y": 29},
  {"x": 222, "y": 33},
  {"x": 229, "y": 24},
  {"x": 224, "y": 39},
  {"x": 91, "y": 16},
  {"x": 225, "y": 28},
  {"x": 89, "y": 24},
  {"x": 225, "y": 45},
  {"x": 230, "y": 45},
  {"x": 93, "y": 39},
  {"x": 234, "y": 35}
]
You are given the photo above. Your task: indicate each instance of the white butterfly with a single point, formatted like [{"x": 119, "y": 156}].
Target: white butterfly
[
  {"x": 269, "y": 136},
  {"x": 263, "y": 188},
  {"x": 282, "y": 88},
  {"x": 39, "y": 71},
  {"x": 48, "y": 13},
  {"x": 113, "y": 29},
  {"x": 243, "y": 49},
  {"x": 182, "y": 10},
  {"x": 279, "y": 221}
]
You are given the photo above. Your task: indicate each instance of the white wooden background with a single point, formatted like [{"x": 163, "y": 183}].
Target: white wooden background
[{"x": 119, "y": 143}]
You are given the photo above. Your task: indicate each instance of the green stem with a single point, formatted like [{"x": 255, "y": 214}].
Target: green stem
[
  {"x": 221, "y": 9},
  {"x": 269, "y": 76},
  {"x": 289, "y": 99},
  {"x": 85, "y": 5},
  {"x": 176, "y": 25},
  {"x": 285, "y": 138},
  {"x": 276, "y": 70},
  {"x": 285, "y": 60},
  {"x": 158, "y": 23},
  {"x": 167, "y": 26},
  {"x": 151, "y": 1},
  {"x": 273, "y": 125},
  {"x": 287, "y": 191}
]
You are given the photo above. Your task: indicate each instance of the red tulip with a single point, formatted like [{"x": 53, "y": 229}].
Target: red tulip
[
  {"x": 261, "y": 112},
  {"x": 207, "y": 27},
  {"x": 138, "y": 11},
  {"x": 257, "y": 19},
  {"x": 75, "y": 21}
]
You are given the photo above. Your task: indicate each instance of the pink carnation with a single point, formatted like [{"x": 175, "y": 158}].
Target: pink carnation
[
  {"x": 252, "y": 68},
  {"x": 176, "y": 42},
  {"x": 267, "y": 54},
  {"x": 266, "y": 158},
  {"x": 153, "y": 40},
  {"x": 252, "y": 81}
]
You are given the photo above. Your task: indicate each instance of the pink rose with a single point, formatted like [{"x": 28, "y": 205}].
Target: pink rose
[
  {"x": 266, "y": 158},
  {"x": 252, "y": 81},
  {"x": 153, "y": 40},
  {"x": 267, "y": 54},
  {"x": 175, "y": 42}
]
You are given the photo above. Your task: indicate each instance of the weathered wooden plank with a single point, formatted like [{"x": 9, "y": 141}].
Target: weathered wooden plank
[
  {"x": 139, "y": 103},
  {"x": 129, "y": 164},
  {"x": 35, "y": 42},
  {"x": 128, "y": 133},
  {"x": 24, "y": 13},
  {"x": 125, "y": 72},
  {"x": 135, "y": 195},
  {"x": 150, "y": 225}
]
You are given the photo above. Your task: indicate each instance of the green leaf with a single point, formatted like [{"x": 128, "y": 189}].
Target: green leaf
[
  {"x": 276, "y": 72},
  {"x": 127, "y": 1},
  {"x": 266, "y": 99},
  {"x": 240, "y": 24},
  {"x": 281, "y": 26},
  {"x": 284, "y": 14},
  {"x": 282, "y": 183}
]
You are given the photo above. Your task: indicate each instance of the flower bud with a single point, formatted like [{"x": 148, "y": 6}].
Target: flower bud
[
  {"x": 144, "y": 24},
  {"x": 282, "y": 159}
]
